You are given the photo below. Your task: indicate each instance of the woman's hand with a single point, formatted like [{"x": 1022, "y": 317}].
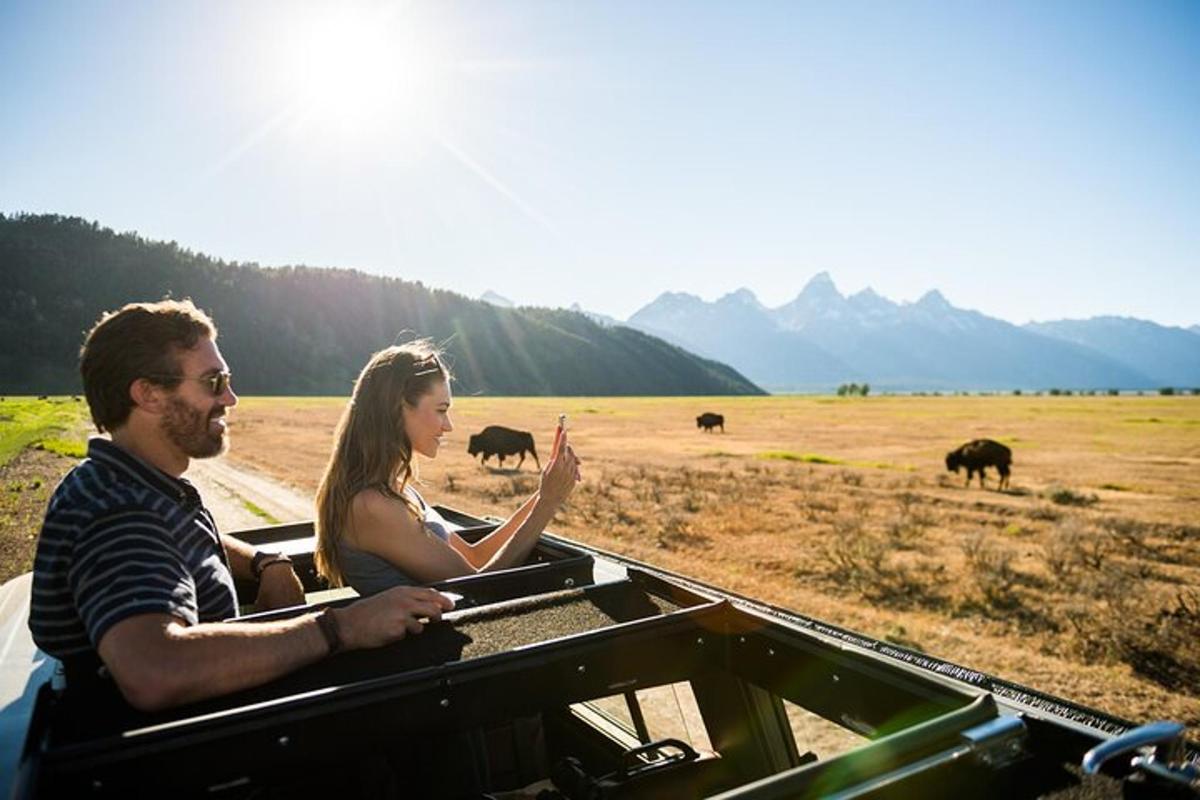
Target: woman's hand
[{"x": 561, "y": 474}]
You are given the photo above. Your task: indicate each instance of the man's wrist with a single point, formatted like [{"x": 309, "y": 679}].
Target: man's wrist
[
  {"x": 331, "y": 631},
  {"x": 263, "y": 559}
]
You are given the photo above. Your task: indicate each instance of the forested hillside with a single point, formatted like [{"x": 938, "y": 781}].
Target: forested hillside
[{"x": 301, "y": 330}]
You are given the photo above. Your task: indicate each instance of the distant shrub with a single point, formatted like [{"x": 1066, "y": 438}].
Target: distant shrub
[
  {"x": 1129, "y": 533},
  {"x": 1062, "y": 548},
  {"x": 1166, "y": 391},
  {"x": 1045, "y": 514},
  {"x": 676, "y": 532},
  {"x": 520, "y": 485},
  {"x": 992, "y": 566},
  {"x": 1065, "y": 496},
  {"x": 1017, "y": 392},
  {"x": 1113, "y": 392},
  {"x": 851, "y": 389}
]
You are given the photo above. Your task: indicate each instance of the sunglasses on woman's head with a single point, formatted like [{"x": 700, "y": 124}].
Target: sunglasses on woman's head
[{"x": 426, "y": 366}]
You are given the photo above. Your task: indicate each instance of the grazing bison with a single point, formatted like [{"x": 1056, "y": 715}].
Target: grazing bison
[
  {"x": 709, "y": 420},
  {"x": 499, "y": 441},
  {"x": 977, "y": 455}
]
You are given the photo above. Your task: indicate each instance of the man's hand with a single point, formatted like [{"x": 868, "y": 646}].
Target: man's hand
[
  {"x": 279, "y": 588},
  {"x": 391, "y": 615}
]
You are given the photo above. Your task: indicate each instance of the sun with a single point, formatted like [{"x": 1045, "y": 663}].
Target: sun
[{"x": 352, "y": 70}]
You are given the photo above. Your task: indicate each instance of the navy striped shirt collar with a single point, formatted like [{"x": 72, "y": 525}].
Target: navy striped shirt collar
[{"x": 121, "y": 460}]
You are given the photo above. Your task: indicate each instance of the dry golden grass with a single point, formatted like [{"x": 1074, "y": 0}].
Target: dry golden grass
[{"x": 1081, "y": 581}]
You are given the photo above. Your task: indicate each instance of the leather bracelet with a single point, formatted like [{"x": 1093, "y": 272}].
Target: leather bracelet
[{"x": 328, "y": 624}]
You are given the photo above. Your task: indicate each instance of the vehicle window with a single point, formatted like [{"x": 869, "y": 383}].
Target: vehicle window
[
  {"x": 818, "y": 734},
  {"x": 667, "y": 712},
  {"x": 671, "y": 713}
]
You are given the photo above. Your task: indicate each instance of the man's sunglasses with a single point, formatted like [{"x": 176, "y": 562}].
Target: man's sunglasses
[{"x": 217, "y": 382}]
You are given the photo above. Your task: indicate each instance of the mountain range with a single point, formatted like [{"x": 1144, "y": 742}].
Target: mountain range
[
  {"x": 823, "y": 338},
  {"x": 302, "y": 330}
]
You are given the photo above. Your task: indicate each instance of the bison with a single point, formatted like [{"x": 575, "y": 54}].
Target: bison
[
  {"x": 709, "y": 420},
  {"x": 499, "y": 441},
  {"x": 979, "y": 454}
]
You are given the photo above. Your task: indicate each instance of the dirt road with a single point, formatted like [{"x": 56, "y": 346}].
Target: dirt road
[{"x": 240, "y": 499}]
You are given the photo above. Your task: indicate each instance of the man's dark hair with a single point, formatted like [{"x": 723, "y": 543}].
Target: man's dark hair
[{"x": 141, "y": 340}]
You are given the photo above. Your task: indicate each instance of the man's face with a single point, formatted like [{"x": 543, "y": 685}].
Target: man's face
[{"x": 195, "y": 418}]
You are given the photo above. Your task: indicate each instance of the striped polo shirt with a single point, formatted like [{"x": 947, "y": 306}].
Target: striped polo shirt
[{"x": 122, "y": 538}]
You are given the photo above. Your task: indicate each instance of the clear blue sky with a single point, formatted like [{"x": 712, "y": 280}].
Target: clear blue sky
[{"x": 1031, "y": 160}]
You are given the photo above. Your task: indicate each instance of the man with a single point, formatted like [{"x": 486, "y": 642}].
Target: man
[{"x": 131, "y": 578}]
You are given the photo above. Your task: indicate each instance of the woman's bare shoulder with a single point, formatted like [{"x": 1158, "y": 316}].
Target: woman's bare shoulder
[{"x": 374, "y": 511}]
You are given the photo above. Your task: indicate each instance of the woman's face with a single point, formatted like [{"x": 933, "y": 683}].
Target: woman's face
[{"x": 427, "y": 421}]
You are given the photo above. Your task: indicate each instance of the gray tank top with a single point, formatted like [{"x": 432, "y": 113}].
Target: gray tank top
[{"x": 368, "y": 573}]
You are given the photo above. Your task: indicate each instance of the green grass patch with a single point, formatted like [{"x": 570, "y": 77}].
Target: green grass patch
[
  {"x": 807, "y": 458},
  {"x": 816, "y": 458},
  {"x": 883, "y": 465},
  {"x": 260, "y": 512},
  {"x": 1181, "y": 421},
  {"x": 71, "y": 448},
  {"x": 26, "y": 421}
]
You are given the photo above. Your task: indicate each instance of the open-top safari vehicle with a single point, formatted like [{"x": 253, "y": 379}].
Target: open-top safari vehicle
[{"x": 584, "y": 675}]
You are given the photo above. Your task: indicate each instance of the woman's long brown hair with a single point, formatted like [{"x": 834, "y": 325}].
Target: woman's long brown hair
[{"x": 371, "y": 449}]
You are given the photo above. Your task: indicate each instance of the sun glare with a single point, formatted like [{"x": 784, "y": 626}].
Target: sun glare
[{"x": 352, "y": 72}]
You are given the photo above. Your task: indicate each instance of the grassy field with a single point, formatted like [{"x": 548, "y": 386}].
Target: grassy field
[
  {"x": 57, "y": 424},
  {"x": 39, "y": 441},
  {"x": 1082, "y": 580}
]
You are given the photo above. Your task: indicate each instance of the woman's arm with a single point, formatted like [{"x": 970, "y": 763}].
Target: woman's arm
[
  {"x": 386, "y": 526},
  {"x": 558, "y": 480},
  {"x": 479, "y": 553}
]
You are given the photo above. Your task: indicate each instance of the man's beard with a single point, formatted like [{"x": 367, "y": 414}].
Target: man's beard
[{"x": 187, "y": 428}]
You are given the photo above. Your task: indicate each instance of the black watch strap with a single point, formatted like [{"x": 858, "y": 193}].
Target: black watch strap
[{"x": 263, "y": 559}]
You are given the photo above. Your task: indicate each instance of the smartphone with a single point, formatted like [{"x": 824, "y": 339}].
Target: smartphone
[{"x": 558, "y": 434}]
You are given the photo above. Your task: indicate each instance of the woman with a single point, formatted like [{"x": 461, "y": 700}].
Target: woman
[{"x": 374, "y": 530}]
